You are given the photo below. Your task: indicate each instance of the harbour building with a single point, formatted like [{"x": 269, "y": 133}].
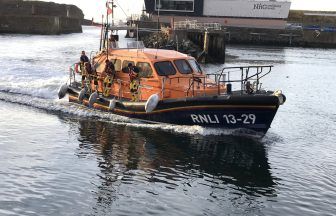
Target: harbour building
[{"x": 230, "y": 13}]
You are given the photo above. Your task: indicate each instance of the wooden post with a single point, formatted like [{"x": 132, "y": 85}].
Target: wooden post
[
  {"x": 205, "y": 47},
  {"x": 206, "y": 42}
]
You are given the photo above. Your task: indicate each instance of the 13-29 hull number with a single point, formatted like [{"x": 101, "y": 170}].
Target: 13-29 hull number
[{"x": 231, "y": 119}]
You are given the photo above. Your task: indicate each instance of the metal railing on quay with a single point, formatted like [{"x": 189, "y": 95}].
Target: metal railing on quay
[{"x": 193, "y": 24}]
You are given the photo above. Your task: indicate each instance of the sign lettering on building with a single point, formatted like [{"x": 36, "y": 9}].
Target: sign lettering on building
[{"x": 266, "y": 6}]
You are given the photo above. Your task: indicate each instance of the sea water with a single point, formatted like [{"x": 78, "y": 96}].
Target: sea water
[{"x": 58, "y": 158}]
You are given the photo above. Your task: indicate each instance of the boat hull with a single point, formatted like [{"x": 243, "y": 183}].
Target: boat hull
[{"x": 251, "y": 112}]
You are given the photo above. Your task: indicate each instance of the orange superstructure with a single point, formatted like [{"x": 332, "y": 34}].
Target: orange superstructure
[{"x": 165, "y": 72}]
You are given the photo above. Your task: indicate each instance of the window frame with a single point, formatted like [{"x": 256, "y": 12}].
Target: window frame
[
  {"x": 124, "y": 67},
  {"x": 152, "y": 71},
  {"x": 188, "y": 11},
  {"x": 199, "y": 69},
  {"x": 157, "y": 71},
  {"x": 114, "y": 61},
  {"x": 178, "y": 68}
]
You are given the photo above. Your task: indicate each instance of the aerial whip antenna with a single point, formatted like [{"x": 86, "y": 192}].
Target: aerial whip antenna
[{"x": 158, "y": 25}]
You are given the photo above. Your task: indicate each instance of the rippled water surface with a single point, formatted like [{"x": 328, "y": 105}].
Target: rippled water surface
[{"x": 58, "y": 158}]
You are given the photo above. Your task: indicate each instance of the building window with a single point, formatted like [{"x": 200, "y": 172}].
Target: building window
[{"x": 175, "y": 5}]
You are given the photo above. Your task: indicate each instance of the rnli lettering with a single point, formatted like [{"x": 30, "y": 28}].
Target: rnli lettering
[
  {"x": 208, "y": 119},
  {"x": 225, "y": 119}
]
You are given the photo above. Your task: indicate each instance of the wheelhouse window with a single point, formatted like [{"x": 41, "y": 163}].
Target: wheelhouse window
[
  {"x": 117, "y": 64},
  {"x": 164, "y": 68},
  {"x": 125, "y": 65},
  {"x": 145, "y": 70},
  {"x": 183, "y": 66},
  {"x": 195, "y": 66},
  {"x": 175, "y": 5}
]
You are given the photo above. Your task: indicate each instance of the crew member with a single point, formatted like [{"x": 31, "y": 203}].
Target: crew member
[
  {"x": 91, "y": 75},
  {"x": 109, "y": 70},
  {"x": 249, "y": 88},
  {"x": 134, "y": 82},
  {"x": 82, "y": 60}
]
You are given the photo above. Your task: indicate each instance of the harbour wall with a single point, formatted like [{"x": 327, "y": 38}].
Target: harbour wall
[
  {"x": 34, "y": 17},
  {"x": 261, "y": 36},
  {"x": 249, "y": 36},
  {"x": 281, "y": 37}
]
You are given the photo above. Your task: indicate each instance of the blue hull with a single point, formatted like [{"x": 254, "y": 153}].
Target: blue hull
[{"x": 251, "y": 112}]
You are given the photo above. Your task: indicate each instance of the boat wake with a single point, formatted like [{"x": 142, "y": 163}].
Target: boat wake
[{"x": 39, "y": 88}]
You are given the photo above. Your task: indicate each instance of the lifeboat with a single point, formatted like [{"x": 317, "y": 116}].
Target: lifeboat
[{"x": 172, "y": 88}]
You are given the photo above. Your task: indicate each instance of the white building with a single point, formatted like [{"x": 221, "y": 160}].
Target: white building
[{"x": 238, "y": 13}]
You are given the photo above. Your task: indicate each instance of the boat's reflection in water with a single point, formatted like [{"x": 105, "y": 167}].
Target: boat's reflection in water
[{"x": 137, "y": 163}]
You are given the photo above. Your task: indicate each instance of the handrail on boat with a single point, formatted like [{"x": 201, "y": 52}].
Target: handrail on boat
[
  {"x": 247, "y": 73},
  {"x": 191, "y": 80}
]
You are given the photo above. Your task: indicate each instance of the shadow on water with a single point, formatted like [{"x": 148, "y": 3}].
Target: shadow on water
[{"x": 133, "y": 156}]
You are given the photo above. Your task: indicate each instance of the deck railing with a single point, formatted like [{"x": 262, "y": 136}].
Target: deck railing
[
  {"x": 243, "y": 75},
  {"x": 193, "y": 24},
  {"x": 247, "y": 76}
]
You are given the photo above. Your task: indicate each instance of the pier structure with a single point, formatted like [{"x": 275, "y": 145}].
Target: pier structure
[{"x": 209, "y": 36}]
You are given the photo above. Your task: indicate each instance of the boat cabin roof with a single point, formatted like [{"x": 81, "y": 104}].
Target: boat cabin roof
[
  {"x": 151, "y": 62},
  {"x": 149, "y": 54}
]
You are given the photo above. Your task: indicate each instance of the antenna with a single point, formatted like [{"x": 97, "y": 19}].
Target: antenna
[
  {"x": 121, "y": 9},
  {"x": 159, "y": 6},
  {"x": 101, "y": 33},
  {"x": 112, "y": 13},
  {"x": 137, "y": 40},
  {"x": 106, "y": 34},
  {"x": 158, "y": 27}
]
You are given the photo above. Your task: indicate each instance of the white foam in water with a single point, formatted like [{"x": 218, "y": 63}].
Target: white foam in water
[
  {"x": 42, "y": 88},
  {"x": 56, "y": 105}
]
